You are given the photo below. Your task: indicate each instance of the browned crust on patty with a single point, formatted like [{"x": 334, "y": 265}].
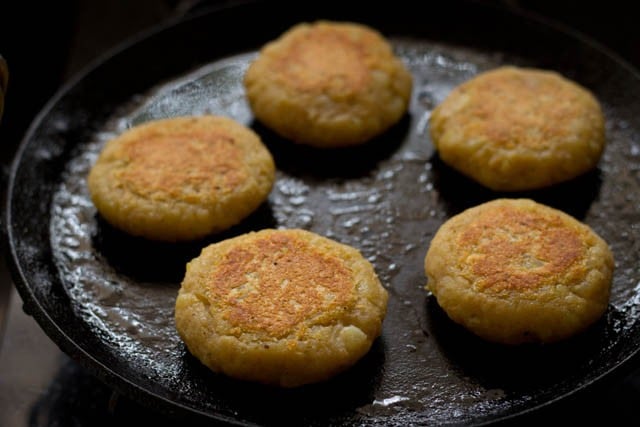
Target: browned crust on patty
[
  {"x": 327, "y": 60},
  {"x": 181, "y": 178},
  {"x": 513, "y": 249},
  {"x": 173, "y": 167},
  {"x": 515, "y": 271},
  {"x": 284, "y": 307},
  {"x": 328, "y": 84},
  {"x": 515, "y": 129},
  {"x": 272, "y": 284}
]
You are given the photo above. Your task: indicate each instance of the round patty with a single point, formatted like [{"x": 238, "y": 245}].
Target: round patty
[
  {"x": 181, "y": 178},
  {"x": 328, "y": 84},
  {"x": 515, "y": 129},
  {"x": 515, "y": 271},
  {"x": 281, "y": 307}
]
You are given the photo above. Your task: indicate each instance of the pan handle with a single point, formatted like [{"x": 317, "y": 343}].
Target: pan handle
[{"x": 4, "y": 79}]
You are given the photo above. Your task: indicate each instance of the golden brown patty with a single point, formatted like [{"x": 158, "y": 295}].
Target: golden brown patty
[
  {"x": 518, "y": 129},
  {"x": 515, "y": 271},
  {"x": 181, "y": 178},
  {"x": 328, "y": 84},
  {"x": 283, "y": 307}
]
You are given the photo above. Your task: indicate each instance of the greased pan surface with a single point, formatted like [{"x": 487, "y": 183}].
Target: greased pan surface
[{"x": 107, "y": 299}]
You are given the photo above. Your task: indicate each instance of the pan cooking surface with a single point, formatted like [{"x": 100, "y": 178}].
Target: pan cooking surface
[{"x": 108, "y": 298}]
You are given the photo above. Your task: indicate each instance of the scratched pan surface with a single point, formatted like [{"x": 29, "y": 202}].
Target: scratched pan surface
[{"x": 107, "y": 298}]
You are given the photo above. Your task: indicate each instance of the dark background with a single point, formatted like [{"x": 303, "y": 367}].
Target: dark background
[{"x": 45, "y": 44}]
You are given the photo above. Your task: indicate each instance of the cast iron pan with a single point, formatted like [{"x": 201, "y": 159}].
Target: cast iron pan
[{"x": 107, "y": 299}]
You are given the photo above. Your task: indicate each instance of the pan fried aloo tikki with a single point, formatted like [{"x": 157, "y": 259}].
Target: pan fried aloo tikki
[
  {"x": 514, "y": 129},
  {"x": 328, "y": 84},
  {"x": 514, "y": 271},
  {"x": 281, "y": 307},
  {"x": 181, "y": 178}
]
